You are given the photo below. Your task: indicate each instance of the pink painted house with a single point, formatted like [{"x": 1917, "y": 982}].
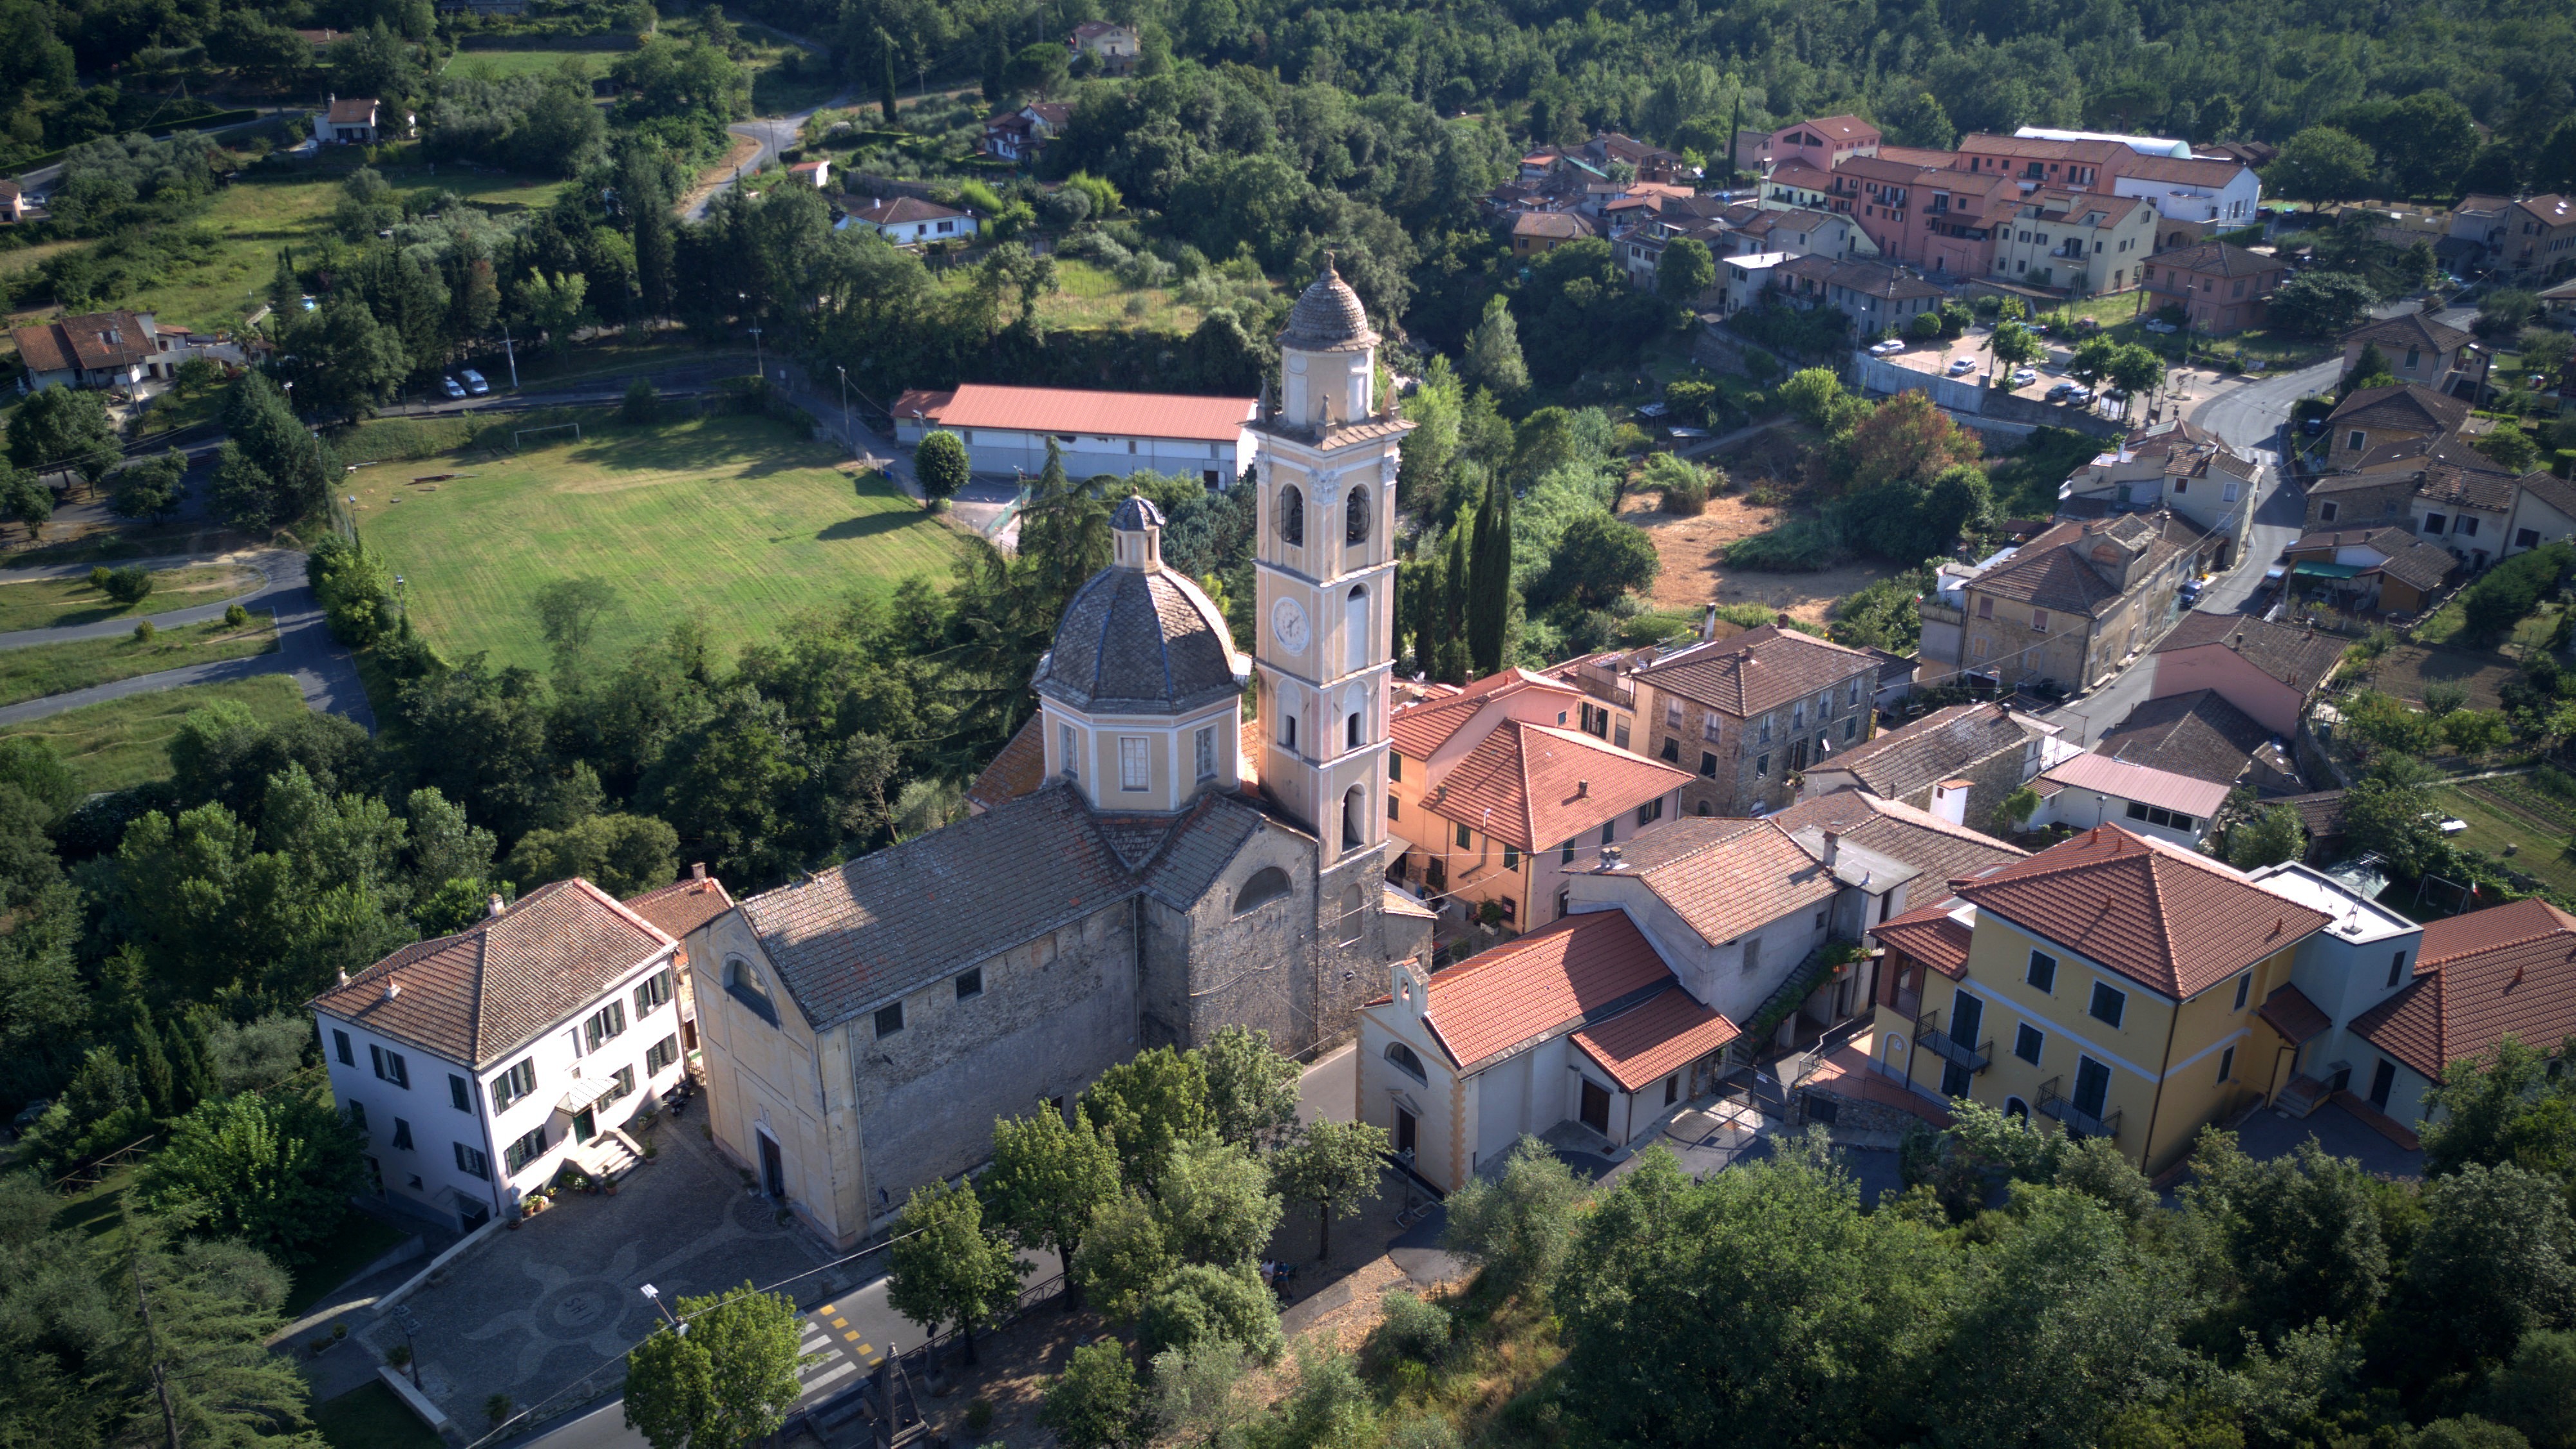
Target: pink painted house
[{"x": 2270, "y": 671}]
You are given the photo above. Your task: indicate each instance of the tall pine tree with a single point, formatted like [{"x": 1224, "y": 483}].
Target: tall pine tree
[
  {"x": 152, "y": 1067},
  {"x": 1489, "y": 582},
  {"x": 885, "y": 75},
  {"x": 1451, "y": 654}
]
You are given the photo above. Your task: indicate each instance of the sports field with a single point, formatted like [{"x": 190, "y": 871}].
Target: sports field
[{"x": 741, "y": 519}]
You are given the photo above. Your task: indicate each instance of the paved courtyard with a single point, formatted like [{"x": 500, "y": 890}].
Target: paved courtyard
[{"x": 532, "y": 1311}]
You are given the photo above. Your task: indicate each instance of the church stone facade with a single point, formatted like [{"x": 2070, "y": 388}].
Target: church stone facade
[{"x": 1169, "y": 873}]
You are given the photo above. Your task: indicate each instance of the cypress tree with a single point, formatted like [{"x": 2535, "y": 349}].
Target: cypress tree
[
  {"x": 997, "y": 64},
  {"x": 1451, "y": 651},
  {"x": 284, "y": 292},
  {"x": 152, "y": 1068},
  {"x": 192, "y": 1064},
  {"x": 1489, "y": 585},
  {"x": 885, "y": 79}
]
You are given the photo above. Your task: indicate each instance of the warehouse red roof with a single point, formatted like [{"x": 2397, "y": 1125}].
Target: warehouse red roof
[{"x": 1079, "y": 411}]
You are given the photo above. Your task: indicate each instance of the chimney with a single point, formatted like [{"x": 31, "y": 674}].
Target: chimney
[
  {"x": 1582, "y": 789},
  {"x": 1833, "y": 847},
  {"x": 1782, "y": 620},
  {"x": 698, "y": 870},
  {"x": 1708, "y": 624},
  {"x": 495, "y": 906},
  {"x": 392, "y": 990},
  {"x": 344, "y": 976},
  {"x": 1950, "y": 801},
  {"x": 1610, "y": 858}
]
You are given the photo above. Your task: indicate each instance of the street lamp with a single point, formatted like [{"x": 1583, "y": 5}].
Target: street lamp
[{"x": 846, "y": 436}]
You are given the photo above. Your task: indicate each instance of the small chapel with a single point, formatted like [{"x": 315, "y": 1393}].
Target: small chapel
[{"x": 1143, "y": 866}]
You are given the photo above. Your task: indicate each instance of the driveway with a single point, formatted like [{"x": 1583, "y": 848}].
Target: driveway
[{"x": 321, "y": 667}]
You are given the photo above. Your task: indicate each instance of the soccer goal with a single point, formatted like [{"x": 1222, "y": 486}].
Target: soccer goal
[{"x": 518, "y": 439}]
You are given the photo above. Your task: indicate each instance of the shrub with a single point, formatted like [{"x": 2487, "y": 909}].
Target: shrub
[
  {"x": 1411, "y": 1329},
  {"x": 1800, "y": 546},
  {"x": 130, "y": 585},
  {"x": 236, "y": 616},
  {"x": 2512, "y": 589},
  {"x": 2442, "y": 697},
  {"x": 144, "y": 631},
  {"x": 643, "y": 405},
  {"x": 1684, "y": 486}
]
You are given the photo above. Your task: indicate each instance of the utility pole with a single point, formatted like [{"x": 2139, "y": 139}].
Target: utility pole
[
  {"x": 513, "y": 354},
  {"x": 846, "y": 435},
  {"x": 757, "y": 360}
]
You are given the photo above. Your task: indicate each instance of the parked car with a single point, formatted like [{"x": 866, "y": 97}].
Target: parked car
[
  {"x": 1962, "y": 364},
  {"x": 2079, "y": 397},
  {"x": 474, "y": 382},
  {"x": 1887, "y": 348},
  {"x": 452, "y": 387},
  {"x": 2155, "y": 325},
  {"x": 2024, "y": 376},
  {"x": 2059, "y": 392}
]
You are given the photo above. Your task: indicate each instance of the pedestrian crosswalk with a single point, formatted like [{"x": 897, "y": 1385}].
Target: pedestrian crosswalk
[{"x": 836, "y": 1350}]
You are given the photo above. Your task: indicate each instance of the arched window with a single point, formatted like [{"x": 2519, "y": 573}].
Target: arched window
[
  {"x": 1292, "y": 517},
  {"x": 1355, "y": 629},
  {"x": 1267, "y": 884},
  {"x": 1355, "y": 818},
  {"x": 1406, "y": 1062},
  {"x": 2015, "y": 1107},
  {"x": 1355, "y": 517},
  {"x": 744, "y": 983}
]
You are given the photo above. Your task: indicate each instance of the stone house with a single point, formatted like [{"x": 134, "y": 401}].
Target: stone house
[
  {"x": 2220, "y": 287},
  {"x": 2078, "y": 242},
  {"x": 2418, "y": 349},
  {"x": 2272, "y": 672},
  {"x": 1744, "y": 714},
  {"x": 2173, "y": 465},
  {"x": 2077, "y": 599},
  {"x": 2385, "y": 568},
  {"x": 1991, "y": 748},
  {"x": 2374, "y": 417}
]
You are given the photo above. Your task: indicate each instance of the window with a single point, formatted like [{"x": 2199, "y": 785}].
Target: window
[
  {"x": 1851, "y": 729},
  {"x": 621, "y": 1084},
  {"x": 2039, "y": 621},
  {"x": 472, "y": 1162},
  {"x": 1565, "y": 852},
  {"x": 1671, "y": 751},
  {"x": 1292, "y": 517},
  {"x": 1391, "y": 812},
  {"x": 1511, "y": 857},
  {"x": 340, "y": 1040},
  {"x": 1607, "y": 826},
  {"x": 459, "y": 1095},
  {"x": 664, "y": 1052},
  {"x": 358, "y": 1115},
  {"x": 1985, "y": 608},
  {"x": 2355, "y": 441},
  {"x": 2244, "y": 987},
  {"x": 1708, "y": 764},
  {"x": 970, "y": 984},
  {"x": 1133, "y": 754},
  {"x": 2464, "y": 527},
  {"x": 1351, "y": 731},
  {"x": 653, "y": 993},
  {"x": 2110, "y": 1003},
  {"x": 2226, "y": 494},
  {"x": 1762, "y": 767},
  {"x": 889, "y": 1019},
  {"x": 516, "y": 1156},
  {"x": 1288, "y": 733},
  {"x": 1406, "y": 1062},
  {"x": 2158, "y": 815},
  {"x": 605, "y": 1024},
  {"x": 389, "y": 1066},
  {"x": 1672, "y": 714},
  {"x": 1619, "y": 736},
  {"x": 1069, "y": 752},
  {"x": 1708, "y": 727},
  {"x": 1203, "y": 752},
  {"x": 1651, "y": 811},
  {"x": 2227, "y": 1065},
  {"x": 513, "y": 1084},
  {"x": 1763, "y": 736},
  {"x": 2326, "y": 512},
  {"x": 402, "y": 1135},
  {"x": 1596, "y": 721},
  {"x": 2027, "y": 1040},
  {"x": 1752, "y": 954},
  {"x": 2042, "y": 974},
  {"x": 1266, "y": 885},
  {"x": 2396, "y": 969},
  {"x": 1798, "y": 717},
  {"x": 2527, "y": 538}
]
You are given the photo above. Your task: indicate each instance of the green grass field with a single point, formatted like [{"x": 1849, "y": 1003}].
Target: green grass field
[
  {"x": 58, "y": 603},
  {"x": 2541, "y": 847},
  {"x": 503, "y": 64},
  {"x": 44, "y": 669},
  {"x": 126, "y": 741},
  {"x": 740, "y": 519},
  {"x": 370, "y": 1417}
]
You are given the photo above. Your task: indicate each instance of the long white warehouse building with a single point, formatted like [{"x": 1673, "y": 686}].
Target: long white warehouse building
[{"x": 1007, "y": 428}]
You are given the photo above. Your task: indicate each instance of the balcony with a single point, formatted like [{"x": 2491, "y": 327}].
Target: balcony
[
  {"x": 2075, "y": 1119},
  {"x": 1960, "y": 1054}
]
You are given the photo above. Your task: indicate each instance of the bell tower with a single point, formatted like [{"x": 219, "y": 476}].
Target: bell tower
[{"x": 1326, "y": 464}]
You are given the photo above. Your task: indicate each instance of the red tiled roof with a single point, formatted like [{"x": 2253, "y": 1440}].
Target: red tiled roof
[
  {"x": 1725, "y": 877},
  {"x": 89, "y": 342},
  {"x": 898, "y": 210},
  {"x": 1420, "y": 729},
  {"x": 488, "y": 990},
  {"x": 1561, "y": 225},
  {"x": 1084, "y": 410},
  {"x": 1929, "y": 935},
  {"x": 1535, "y": 786},
  {"x": 2143, "y": 783},
  {"x": 353, "y": 112},
  {"x": 1019, "y": 769},
  {"x": 1838, "y": 128},
  {"x": 1919, "y": 838},
  {"x": 1582, "y": 967},
  {"x": 2162, "y": 916},
  {"x": 682, "y": 906},
  {"x": 1759, "y": 670},
  {"x": 2506, "y": 971},
  {"x": 2290, "y": 1012},
  {"x": 1663, "y": 1035}
]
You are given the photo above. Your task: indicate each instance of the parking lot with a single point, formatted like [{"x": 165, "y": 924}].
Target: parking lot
[{"x": 1965, "y": 358}]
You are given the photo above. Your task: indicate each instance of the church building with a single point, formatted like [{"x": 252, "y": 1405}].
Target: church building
[{"x": 1142, "y": 869}]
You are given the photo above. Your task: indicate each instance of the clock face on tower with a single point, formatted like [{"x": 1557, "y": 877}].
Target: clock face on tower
[{"x": 1288, "y": 624}]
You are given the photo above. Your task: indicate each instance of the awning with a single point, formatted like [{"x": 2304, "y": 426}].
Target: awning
[
  {"x": 2290, "y": 1012},
  {"x": 585, "y": 1093},
  {"x": 2329, "y": 570}
]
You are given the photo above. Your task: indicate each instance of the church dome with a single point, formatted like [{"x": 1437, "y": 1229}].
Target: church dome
[
  {"x": 1140, "y": 641},
  {"x": 1328, "y": 317}
]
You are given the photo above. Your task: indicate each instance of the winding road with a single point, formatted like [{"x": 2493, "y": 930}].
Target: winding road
[{"x": 306, "y": 652}]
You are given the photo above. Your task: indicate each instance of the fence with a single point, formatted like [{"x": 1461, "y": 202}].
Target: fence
[{"x": 91, "y": 1174}]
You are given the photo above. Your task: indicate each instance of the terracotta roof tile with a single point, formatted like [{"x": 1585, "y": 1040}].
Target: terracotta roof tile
[
  {"x": 2509, "y": 970},
  {"x": 2400, "y": 405},
  {"x": 1930, "y": 936},
  {"x": 1900, "y": 832},
  {"x": 1759, "y": 670},
  {"x": 2055, "y": 571},
  {"x": 1839, "y": 128},
  {"x": 2142, "y": 783},
  {"x": 1101, "y": 413},
  {"x": 2413, "y": 329},
  {"x": 1944, "y": 743},
  {"x": 1656, "y": 1038},
  {"x": 2290, "y": 1012},
  {"x": 1420, "y": 729},
  {"x": 2199, "y": 735},
  {"x": 2221, "y": 260},
  {"x": 488, "y": 990},
  {"x": 1725, "y": 877},
  {"x": 1584, "y": 968},
  {"x": 682, "y": 906},
  {"x": 2164, "y": 917},
  {"x": 2299, "y": 658},
  {"x": 1534, "y": 786},
  {"x": 1018, "y": 770}
]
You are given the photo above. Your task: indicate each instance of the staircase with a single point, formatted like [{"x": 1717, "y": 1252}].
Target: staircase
[
  {"x": 607, "y": 1157},
  {"x": 2302, "y": 1096}
]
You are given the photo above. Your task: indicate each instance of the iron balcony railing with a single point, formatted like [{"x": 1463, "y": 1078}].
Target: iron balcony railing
[
  {"x": 1958, "y": 1053},
  {"x": 2074, "y": 1118}
]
